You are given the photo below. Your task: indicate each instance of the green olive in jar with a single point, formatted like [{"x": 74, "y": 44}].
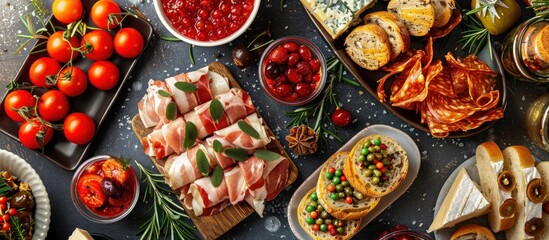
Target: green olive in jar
[{"x": 507, "y": 15}]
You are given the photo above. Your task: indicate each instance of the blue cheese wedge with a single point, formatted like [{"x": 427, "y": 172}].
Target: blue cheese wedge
[
  {"x": 358, "y": 6},
  {"x": 463, "y": 201}
]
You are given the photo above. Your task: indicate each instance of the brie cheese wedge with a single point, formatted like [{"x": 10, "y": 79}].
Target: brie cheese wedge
[
  {"x": 463, "y": 201},
  {"x": 533, "y": 210},
  {"x": 503, "y": 195}
]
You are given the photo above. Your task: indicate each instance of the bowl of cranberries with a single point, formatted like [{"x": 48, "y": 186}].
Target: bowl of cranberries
[
  {"x": 292, "y": 71},
  {"x": 105, "y": 189},
  {"x": 402, "y": 232},
  {"x": 207, "y": 23}
]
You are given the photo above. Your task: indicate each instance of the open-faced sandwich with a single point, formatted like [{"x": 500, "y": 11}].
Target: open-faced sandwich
[
  {"x": 543, "y": 169},
  {"x": 336, "y": 194},
  {"x": 319, "y": 224},
  {"x": 530, "y": 193},
  {"x": 473, "y": 232},
  {"x": 376, "y": 166},
  {"x": 498, "y": 185}
]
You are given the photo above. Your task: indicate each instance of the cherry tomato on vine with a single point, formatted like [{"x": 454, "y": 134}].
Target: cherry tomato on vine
[
  {"x": 90, "y": 191},
  {"x": 67, "y": 11},
  {"x": 78, "y": 128},
  {"x": 53, "y": 105},
  {"x": 72, "y": 81},
  {"x": 100, "y": 14},
  {"x": 128, "y": 42},
  {"x": 103, "y": 75},
  {"x": 61, "y": 49},
  {"x": 15, "y": 100},
  {"x": 34, "y": 134},
  {"x": 98, "y": 44},
  {"x": 42, "y": 69}
]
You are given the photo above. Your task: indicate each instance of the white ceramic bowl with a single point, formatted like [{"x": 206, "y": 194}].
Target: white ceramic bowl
[
  {"x": 167, "y": 23},
  {"x": 18, "y": 167}
]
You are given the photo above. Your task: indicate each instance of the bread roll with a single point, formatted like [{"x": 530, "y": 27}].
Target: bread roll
[
  {"x": 398, "y": 35},
  {"x": 418, "y": 15},
  {"x": 543, "y": 169},
  {"x": 443, "y": 11},
  {"x": 473, "y": 232},
  {"x": 368, "y": 46}
]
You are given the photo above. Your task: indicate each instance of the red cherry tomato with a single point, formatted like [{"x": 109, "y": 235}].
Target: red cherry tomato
[
  {"x": 72, "y": 81},
  {"x": 331, "y": 188},
  {"x": 103, "y": 75},
  {"x": 79, "y": 128},
  {"x": 128, "y": 42},
  {"x": 15, "y": 100},
  {"x": 100, "y": 14},
  {"x": 41, "y": 69},
  {"x": 98, "y": 44},
  {"x": 6, "y": 226},
  {"x": 61, "y": 49},
  {"x": 53, "y": 105},
  {"x": 3, "y": 199},
  {"x": 341, "y": 117},
  {"x": 90, "y": 191},
  {"x": 6, "y": 217},
  {"x": 113, "y": 169},
  {"x": 12, "y": 211},
  {"x": 349, "y": 200},
  {"x": 34, "y": 134},
  {"x": 67, "y": 11}
]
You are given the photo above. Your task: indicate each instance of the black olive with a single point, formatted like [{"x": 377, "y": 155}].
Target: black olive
[
  {"x": 22, "y": 199},
  {"x": 111, "y": 188},
  {"x": 242, "y": 57},
  {"x": 24, "y": 217},
  {"x": 272, "y": 71}
]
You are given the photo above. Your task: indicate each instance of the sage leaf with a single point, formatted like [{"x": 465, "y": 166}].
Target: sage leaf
[
  {"x": 217, "y": 176},
  {"x": 266, "y": 155},
  {"x": 238, "y": 154},
  {"x": 216, "y": 110},
  {"x": 190, "y": 135},
  {"x": 171, "y": 111},
  {"x": 186, "y": 87},
  {"x": 246, "y": 128},
  {"x": 217, "y": 146},
  {"x": 202, "y": 163},
  {"x": 164, "y": 93}
]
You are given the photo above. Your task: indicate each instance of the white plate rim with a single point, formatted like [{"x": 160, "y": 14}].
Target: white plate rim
[
  {"x": 413, "y": 169},
  {"x": 24, "y": 172}
]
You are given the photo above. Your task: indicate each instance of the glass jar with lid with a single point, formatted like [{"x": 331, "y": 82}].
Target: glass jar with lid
[
  {"x": 537, "y": 122},
  {"x": 526, "y": 51}
]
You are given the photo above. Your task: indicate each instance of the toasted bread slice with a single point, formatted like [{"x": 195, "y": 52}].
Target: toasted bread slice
[
  {"x": 473, "y": 231},
  {"x": 543, "y": 169},
  {"x": 519, "y": 161},
  {"x": 351, "y": 226},
  {"x": 368, "y": 46},
  {"x": 490, "y": 164},
  {"x": 398, "y": 35},
  {"x": 418, "y": 15},
  {"x": 355, "y": 169},
  {"x": 443, "y": 11},
  {"x": 339, "y": 208}
]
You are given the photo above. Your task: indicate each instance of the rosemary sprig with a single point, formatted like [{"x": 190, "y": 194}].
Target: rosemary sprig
[
  {"x": 20, "y": 231},
  {"x": 282, "y": 5},
  {"x": 166, "y": 220},
  {"x": 38, "y": 7},
  {"x": 540, "y": 7},
  {"x": 169, "y": 39},
  {"x": 32, "y": 33},
  {"x": 5, "y": 188},
  {"x": 475, "y": 36}
]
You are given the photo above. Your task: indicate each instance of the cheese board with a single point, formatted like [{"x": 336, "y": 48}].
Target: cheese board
[
  {"x": 212, "y": 227},
  {"x": 414, "y": 164}
]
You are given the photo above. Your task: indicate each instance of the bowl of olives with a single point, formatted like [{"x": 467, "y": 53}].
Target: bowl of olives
[{"x": 105, "y": 189}]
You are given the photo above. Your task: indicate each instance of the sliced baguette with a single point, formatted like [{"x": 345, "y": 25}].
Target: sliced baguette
[
  {"x": 355, "y": 174},
  {"x": 490, "y": 163},
  {"x": 351, "y": 226},
  {"x": 339, "y": 208},
  {"x": 398, "y": 35},
  {"x": 519, "y": 161},
  {"x": 543, "y": 169},
  {"x": 418, "y": 15},
  {"x": 368, "y": 46},
  {"x": 443, "y": 11},
  {"x": 472, "y": 232}
]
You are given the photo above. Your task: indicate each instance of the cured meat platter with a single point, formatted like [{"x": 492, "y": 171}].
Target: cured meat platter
[{"x": 212, "y": 227}]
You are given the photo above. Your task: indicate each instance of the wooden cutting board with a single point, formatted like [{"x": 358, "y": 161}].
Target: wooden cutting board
[{"x": 211, "y": 227}]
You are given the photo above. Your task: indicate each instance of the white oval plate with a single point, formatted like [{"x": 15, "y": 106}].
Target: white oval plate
[
  {"x": 18, "y": 167},
  {"x": 413, "y": 168}
]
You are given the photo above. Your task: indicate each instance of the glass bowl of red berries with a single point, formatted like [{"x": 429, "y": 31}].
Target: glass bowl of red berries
[
  {"x": 292, "y": 70},
  {"x": 401, "y": 232},
  {"x": 105, "y": 189},
  {"x": 207, "y": 23}
]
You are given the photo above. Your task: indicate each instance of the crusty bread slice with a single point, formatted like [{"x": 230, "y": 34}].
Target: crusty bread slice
[
  {"x": 443, "y": 11},
  {"x": 517, "y": 159},
  {"x": 418, "y": 15},
  {"x": 398, "y": 35},
  {"x": 543, "y": 169},
  {"x": 339, "y": 208},
  {"x": 363, "y": 184},
  {"x": 368, "y": 46},
  {"x": 490, "y": 163},
  {"x": 351, "y": 226},
  {"x": 473, "y": 231}
]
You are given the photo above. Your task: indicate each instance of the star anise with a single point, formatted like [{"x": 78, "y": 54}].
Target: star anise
[{"x": 303, "y": 140}]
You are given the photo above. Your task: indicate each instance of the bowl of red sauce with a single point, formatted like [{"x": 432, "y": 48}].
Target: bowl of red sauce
[
  {"x": 207, "y": 23},
  {"x": 105, "y": 189},
  {"x": 292, "y": 71}
]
